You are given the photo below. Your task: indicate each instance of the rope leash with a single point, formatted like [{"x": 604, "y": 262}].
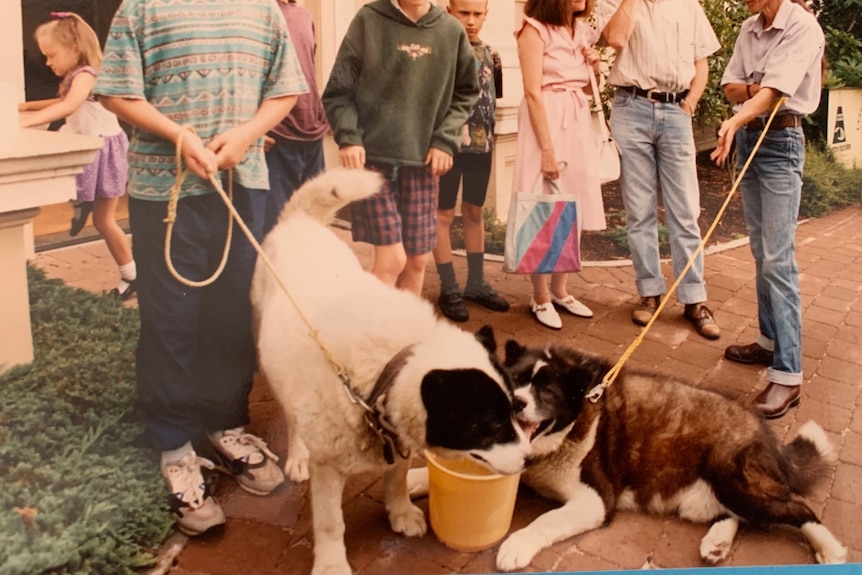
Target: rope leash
[
  {"x": 182, "y": 173},
  {"x": 596, "y": 393}
]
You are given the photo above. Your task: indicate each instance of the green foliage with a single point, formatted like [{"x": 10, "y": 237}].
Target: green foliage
[
  {"x": 726, "y": 19},
  {"x": 827, "y": 184},
  {"x": 844, "y": 54},
  {"x": 841, "y": 15},
  {"x": 76, "y": 496},
  {"x": 495, "y": 233},
  {"x": 618, "y": 234}
]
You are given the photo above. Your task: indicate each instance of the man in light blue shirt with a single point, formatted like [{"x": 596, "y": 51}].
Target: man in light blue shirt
[{"x": 778, "y": 54}]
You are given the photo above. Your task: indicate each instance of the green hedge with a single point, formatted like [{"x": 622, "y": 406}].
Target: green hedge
[
  {"x": 827, "y": 184},
  {"x": 75, "y": 495}
]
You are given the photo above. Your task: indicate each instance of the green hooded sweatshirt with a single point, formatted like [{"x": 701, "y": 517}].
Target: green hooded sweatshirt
[{"x": 399, "y": 87}]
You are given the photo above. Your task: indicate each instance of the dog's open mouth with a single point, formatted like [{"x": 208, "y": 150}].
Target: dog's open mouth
[{"x": 535, "y": 429}]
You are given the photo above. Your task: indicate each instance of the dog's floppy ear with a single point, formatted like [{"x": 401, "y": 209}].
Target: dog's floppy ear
[
  {"x": 514, "y": 351},
  {"x": 485, "y": 335},
  {"x": 579, "y": 380}
]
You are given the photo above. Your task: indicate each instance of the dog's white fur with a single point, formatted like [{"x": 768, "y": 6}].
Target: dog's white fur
[{"x": 363, "y": 324}]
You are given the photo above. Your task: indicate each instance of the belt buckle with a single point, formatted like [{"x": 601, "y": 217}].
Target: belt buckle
[{"x": 651, "y": 98}]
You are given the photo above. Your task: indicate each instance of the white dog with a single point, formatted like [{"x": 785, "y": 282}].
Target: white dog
[{"x": 442, "y": 388}]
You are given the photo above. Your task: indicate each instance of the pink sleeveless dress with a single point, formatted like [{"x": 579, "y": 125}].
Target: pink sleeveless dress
[{"x": 565, "y": 74}]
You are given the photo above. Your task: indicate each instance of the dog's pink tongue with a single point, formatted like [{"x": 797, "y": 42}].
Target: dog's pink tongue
[{"x": 528, "y": 427}]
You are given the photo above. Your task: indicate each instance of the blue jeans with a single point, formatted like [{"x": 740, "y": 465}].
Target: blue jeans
[
  {"x": 290, "y": 164},
  {"x": 196, "y": 356},
  {"x": 657, "y": 145},
  {"x": 771, "y": 190}
]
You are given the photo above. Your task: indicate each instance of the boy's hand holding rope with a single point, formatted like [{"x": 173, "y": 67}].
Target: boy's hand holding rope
[{"x": 226, "y": 197}]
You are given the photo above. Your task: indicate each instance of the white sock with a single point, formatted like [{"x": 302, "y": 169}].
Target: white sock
[
  {"x": 214, "y": 436},
  {"x": 174, "y": 455},
  {"x": 129, "y": 272}
]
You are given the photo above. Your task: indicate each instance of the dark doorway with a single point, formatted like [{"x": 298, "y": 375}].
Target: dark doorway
[{"x": 39, "y": 82}]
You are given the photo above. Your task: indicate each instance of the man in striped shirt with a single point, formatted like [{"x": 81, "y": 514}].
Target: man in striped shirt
[{"x": 660, "y": 73}]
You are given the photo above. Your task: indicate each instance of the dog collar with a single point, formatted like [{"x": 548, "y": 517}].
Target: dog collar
[{"x": 376, "y": 420}]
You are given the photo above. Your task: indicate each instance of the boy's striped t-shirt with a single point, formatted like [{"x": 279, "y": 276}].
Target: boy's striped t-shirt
[{"x": 204, "y": 64}]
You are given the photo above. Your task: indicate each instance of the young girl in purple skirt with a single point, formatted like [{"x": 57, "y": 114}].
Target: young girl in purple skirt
[{"x": 72, "y": 51}]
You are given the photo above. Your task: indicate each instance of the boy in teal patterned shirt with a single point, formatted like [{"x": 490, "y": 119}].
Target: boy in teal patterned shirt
[
  {"x": 221, "y": 73},
  {"x": 472, "y": 166}
]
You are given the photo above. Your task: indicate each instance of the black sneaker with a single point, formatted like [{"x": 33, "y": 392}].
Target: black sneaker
[
  {"x": 485, "y": 296},
  {"x": 452, "y": 306},
  {"x": 81, "y": 211}
]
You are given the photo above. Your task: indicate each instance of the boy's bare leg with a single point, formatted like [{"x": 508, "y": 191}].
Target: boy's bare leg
[
  {"x": 389, "y": 262},
  {"x": 474, "y": 228},
  {"x": 413, "y": 276},
  {"x": 443, "y": 250}
]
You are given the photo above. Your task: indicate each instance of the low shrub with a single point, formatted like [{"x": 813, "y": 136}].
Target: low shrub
[
  {"x": 76, "y": 495},
  {"x": 826, "y": 183},
  {"x": 495, "y": 233}
]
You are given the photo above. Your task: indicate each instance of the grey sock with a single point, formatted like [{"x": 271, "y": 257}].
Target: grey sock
[
  {"x": 475, "y": 271},
  {"x": 448, "y": 283}
]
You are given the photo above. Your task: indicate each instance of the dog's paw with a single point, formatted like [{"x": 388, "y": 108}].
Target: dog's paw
[
  {"x": 417, "y": 482},
  {"x": 296, "y": 465},
  {"x": 518, "y": 550},
  {"x": 410, "y": 522},
  {"x": 836, "y": 556},
  {"x": 328, "y": 568},
  {"x": 713, "y": 552},
  {"x": 718, "y": 541}
]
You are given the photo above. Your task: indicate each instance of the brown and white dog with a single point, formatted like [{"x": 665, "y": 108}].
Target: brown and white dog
[
  {"x": 655, "y": 444},
  {"x": 440, "y": 388}
]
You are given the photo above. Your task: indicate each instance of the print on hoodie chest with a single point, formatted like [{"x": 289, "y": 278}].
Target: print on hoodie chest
[{"x": 415, "y": 51}]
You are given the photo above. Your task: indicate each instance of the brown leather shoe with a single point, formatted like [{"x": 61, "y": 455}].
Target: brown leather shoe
[
  {"x": 645, "y": 309},
  {"x": 749, "y": 354},
  {"x": 700, "y": 316},
  {"x": 776, "y": 399}
]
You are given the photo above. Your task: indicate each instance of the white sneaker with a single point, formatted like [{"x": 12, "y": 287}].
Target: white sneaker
[
  {"x": 247, "y": 457},
  {"x": 196, "y": 510},
  {"x": 546, "y": 314},
  {"x": 573, "y": 306}
]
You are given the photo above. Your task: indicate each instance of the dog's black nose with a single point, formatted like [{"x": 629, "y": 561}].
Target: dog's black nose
[{"x": 518, "y": 404}]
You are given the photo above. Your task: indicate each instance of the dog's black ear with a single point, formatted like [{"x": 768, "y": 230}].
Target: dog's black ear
[
  {"x": 578, "y": 381},
  {"x": 514, "y": 351},
  {"x": 485, "y": 335}
]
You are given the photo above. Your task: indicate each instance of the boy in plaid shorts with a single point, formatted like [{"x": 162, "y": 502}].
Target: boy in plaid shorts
[{"x": 402, "y": 86}]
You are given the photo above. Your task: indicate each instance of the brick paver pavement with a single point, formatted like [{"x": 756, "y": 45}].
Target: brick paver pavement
[{"x": 272, "y": 534}]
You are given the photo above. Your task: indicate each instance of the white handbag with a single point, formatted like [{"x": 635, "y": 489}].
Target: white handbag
[{"x": 609, "y": 152}]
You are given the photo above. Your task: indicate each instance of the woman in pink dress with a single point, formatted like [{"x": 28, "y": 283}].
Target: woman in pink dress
[{"x": 555, "y": 132}]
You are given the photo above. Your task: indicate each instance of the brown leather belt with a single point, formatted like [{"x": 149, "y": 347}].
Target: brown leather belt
[
  {"x": 779, "y": 122},
  {"x": 655, "y": 95}
]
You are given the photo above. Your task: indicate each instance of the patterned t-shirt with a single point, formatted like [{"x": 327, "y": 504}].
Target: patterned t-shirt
[
  {"x": 207, "y": 64},
  {"x": 479, "y": 129}
]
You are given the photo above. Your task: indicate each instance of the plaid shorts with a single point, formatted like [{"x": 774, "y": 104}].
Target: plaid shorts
[{"x": 405, "y": 210}]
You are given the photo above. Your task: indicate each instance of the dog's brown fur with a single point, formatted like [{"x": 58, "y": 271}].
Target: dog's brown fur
[{"x": 655, "y": 444}]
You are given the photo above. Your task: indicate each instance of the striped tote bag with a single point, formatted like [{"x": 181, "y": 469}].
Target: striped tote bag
[{"x": 542, "y": 232}]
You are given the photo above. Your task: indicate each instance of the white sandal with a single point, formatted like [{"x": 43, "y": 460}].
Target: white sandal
[
  {"x": 546, "y": 314},
  {"x": 573, "y": 306}
]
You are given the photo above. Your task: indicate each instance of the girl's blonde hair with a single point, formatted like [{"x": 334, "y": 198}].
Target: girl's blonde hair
[{"x": 71, "y": 31}]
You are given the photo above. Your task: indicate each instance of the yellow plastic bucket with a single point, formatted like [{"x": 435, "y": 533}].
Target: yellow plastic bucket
[{"x": 471, "y": 508}]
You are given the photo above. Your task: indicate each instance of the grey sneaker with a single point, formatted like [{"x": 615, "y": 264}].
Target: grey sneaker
[
  {"x": 187, "y": 495},
  {"x": 246, "y": 457}
]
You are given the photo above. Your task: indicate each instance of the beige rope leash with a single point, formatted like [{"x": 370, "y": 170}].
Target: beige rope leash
[
  {"x": 596, "y": 393},
  {"x": 172, "y": 217},
  {"x": 234, "y": 215}
]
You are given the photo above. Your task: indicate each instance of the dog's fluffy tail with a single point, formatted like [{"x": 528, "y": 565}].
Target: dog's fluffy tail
[
  {"x": 322, "y": 196},
  {"x": 810, "y": 457}
]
